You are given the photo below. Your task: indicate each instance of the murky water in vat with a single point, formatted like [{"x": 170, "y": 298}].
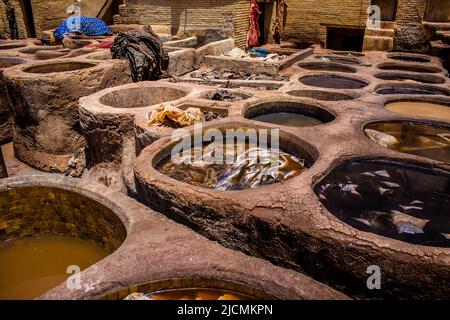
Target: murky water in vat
[
  {"x": 332, "y": 82},
  {"x": 288, "y": 119},
  {"x": 252, "y": 167},
  {"x": 422, "y": 109},
  {"x": 419, "y": 139},
  {"x": 396, "y": 201},
  {"x": 31, "y": 266},
  {"x": 197, "y": 294}
]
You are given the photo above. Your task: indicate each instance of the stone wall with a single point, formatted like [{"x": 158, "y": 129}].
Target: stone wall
[
  {"x": 4, "y": 27},
  {"x": 410, "y": 34}
]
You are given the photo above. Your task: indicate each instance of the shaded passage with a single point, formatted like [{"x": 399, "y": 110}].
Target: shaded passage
[{"x": 402, "y": 202}]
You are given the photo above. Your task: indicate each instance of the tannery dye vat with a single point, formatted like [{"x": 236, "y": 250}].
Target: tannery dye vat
[
  {"x": 189, "y": 294},
  {"x": 409, "y": 67},
  {"x": 394, "y": 200},
  {"x": 46, "y": 229},
  {"x": 422, "y": 78},
  {"x": 332, "y": 82},
  {"x": 421, "y": 109},
  {"x": 6, "y": 121},
  {"x": 326, "y": 66},
  {"x": 424, "y": 140},
  {"x": 412, "y": 90},
  {"x": 46, "y": 122},
  {"x": 409, "y": 58},
  {"x": 288, "y": 113},
  {"x": 30, "y": 266},
  {"x": 339, "y": 59}
]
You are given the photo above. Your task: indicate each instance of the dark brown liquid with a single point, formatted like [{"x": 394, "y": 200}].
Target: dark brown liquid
[
  {"x": 332, "y": 82},
  {"x": 288, "y": 119},
  {"x": 422, "y": 140},
  {"x": 197, "y": 294},
  {"x": 393, "y": 200},
  {"x": 246, "y": 172},
  {"x": 31, "y": 266},
  {"x": 423, "y": 109}
]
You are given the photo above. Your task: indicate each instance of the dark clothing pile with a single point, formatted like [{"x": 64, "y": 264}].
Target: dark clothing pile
[{"x": 144, "y": 51}]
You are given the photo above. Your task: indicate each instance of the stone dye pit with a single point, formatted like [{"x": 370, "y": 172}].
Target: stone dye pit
[
  {"x": 409, "y": 58},
  {"x": 44, "y": 230},
  {"x": 339, "y": 59},
  {"x": 424, "y": 140},
  {"x": 288, "y": 113},
  {"x": 407, "y": 203},
  {"x": 411, "y": 89},
  {"x": 426, "y": 109},
  {"x": 409, "y": 68},
  {"x": 324, "y": 66},
  {"x": 332, "y": 82},
  {"x": 396, "y": 76}
]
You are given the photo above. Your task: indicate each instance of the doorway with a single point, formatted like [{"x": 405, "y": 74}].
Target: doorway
[
  {"x": 388, "y": 9},
  {"x": 437, "y": 11},
  {"x": 346, "y": 39},
  {"x": 28, "y": 19},
  {"x": 264, "y": 21}
]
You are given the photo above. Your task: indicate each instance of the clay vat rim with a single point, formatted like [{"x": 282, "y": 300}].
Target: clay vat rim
[
  {"x": 356, "y": 61},
  {"x": 350, "y": 96},
  {"x": 393, "y": 55},
  {"x": 246, "y": 95},
  {"x": 326, "y": 74},
  {"x": 25, "y": 68},
  {"x": 325, "y": 115},
  {"x": 23, "y": 60},
  {"x": 349, "y": 68},
  {"x": 436, "y": 88},
  {"x": 432, "y": 69},
  {"x": 158, "y": 151},
  {"x": 437, "y": 78},
  {"x": 179, "y": 283}
]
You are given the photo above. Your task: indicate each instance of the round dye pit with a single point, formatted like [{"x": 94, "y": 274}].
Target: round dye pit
[
  {"x": 140, "y": 97},
  {"x": 424, "y": 140},
  {"x": 226, "y": 95},
  {"x": 288, "y": 113},
  {"x": 235, "y": 166},
  {"x": 394, "y": 200},
  {"x": 421, "y": 109},
  {"x": 409, "y": 58},
  {"x": 190, "y": 289},
  {"x": 326, "y": 66},
  {"x": 349, "y": 53},
  {"x": 44, "y": 230},
  {"x": 427, "y": 78},
  {"x": 59, "y": 67},
  {"x": 34, "y": 49},
  {"x": 411, "y": 90},
  {"x": 409, "y": 68},
  {"x": 321, "y": 95},
  {"x": 332, "y": 82},
  {"x": 6, "y": 62},
  {"x": 339, "y": 59}
]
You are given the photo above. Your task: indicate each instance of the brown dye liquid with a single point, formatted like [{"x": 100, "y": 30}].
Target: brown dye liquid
[
  {"x": 422, "y": 140},
  {"x": 31, "y": 266},
  {"x": 288, "y": 119},
  {"x": 253, "y": 167},
  {"x": 197, "y": 294},
  {"x": 422, "y": 109}
]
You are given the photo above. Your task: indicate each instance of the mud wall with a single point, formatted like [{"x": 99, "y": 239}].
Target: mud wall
[{"x": 410, "y": 34}]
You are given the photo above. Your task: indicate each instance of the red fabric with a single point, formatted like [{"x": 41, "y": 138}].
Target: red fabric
[
  {"x": 105, "y": 44},
  {"x": 253, "y": 31}
]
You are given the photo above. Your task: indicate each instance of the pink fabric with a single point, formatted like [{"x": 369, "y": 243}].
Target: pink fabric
[{"x": 253, "y": 31}]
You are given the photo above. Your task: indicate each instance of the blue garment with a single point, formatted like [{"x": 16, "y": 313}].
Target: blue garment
[{"x": 86, "y": 25}]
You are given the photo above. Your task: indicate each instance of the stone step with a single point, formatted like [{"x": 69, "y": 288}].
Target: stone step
[
  {"x": 375, "y": 43},
  {"x": 438, "y": 26},
  {"x": 380, "y": 32},
  {"x": 444, "y": 36}
]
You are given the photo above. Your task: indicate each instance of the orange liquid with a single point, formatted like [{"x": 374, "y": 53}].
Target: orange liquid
[{"x": 30, "y": 267}]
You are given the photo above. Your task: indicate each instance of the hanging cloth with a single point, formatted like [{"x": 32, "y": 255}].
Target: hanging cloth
[
  {"x": 253, "y": 31},
  {"x": 279, "y": 29}
]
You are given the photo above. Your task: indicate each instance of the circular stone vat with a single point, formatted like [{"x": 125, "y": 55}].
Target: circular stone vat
[
  {"x": 411, "y": 89},
  {"x": 326, "y": 66},
  {"x": 409, "y": 58},
  {"x": 6, "y": 121},
  {"x": 190, "y": 289},
  {"x": 321, "y": 95},
  {"x": 390, "y": 199},
  {"x": 12, "y": 46},
  {"x": 409, "y": 68},
  {"x": 421, "y": 139},
  {"x": 338, "y": 59},
  {"x": 47, "y": 131},
  {"x": 288, "y": 113},
  {"x": 246, "y": 164},
  {"x": 349, "y": 53},
  {"x": 422, "y": 78},
  {"x": 44, "y": 230},
  {"x": 331, "y": 81},
  {"x": 140, "y": 97},
  {"x": 226, "y": 95},
  {"x": 60, "y": 66},
  {"x": 427, "y": 109},
  {"x": 34, "y": 49}
]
